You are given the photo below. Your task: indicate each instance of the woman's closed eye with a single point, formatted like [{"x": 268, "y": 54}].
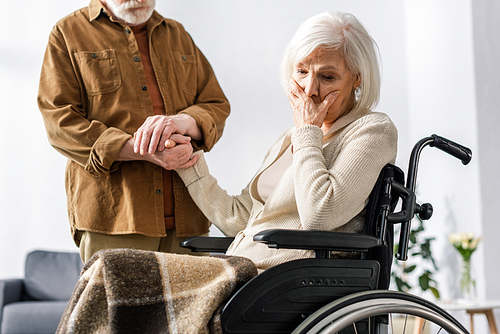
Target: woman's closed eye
[{"x": 301, "y": 71}]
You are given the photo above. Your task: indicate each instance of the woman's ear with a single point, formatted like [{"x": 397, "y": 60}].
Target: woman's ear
[{"x": 357, "y": 80}]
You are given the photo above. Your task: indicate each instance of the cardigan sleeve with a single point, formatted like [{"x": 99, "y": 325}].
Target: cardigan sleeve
[
  {"x": 229, "y": 213},
  {"x": 331, "y": 193}
]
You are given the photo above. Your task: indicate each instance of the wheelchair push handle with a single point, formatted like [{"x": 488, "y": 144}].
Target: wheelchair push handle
[
  {"x": 458, "y": 151},
  {"x": 409, "y": 205}
]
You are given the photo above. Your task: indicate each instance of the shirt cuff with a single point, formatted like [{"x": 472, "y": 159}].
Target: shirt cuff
[
  {"x": 104, "y": 152},
  {"x": 206, "y": 124}
]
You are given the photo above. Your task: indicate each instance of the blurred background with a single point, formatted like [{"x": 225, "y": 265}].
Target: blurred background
[{"x": 440, "y": 75}]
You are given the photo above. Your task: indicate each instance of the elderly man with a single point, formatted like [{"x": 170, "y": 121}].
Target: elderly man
[{"x": 125, "y": 94}]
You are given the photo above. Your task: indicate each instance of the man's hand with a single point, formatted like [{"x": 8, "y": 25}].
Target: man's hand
[
  {"x": 179, "y": 155},
  {"x": 153, "y": 135}
]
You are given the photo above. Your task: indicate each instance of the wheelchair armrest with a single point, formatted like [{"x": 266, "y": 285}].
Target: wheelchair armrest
[
  {"x": 317, "y": 240},
  {"x": 207, "y": 244}
]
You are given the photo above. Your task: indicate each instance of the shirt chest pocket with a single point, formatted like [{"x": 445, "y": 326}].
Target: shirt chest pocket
[
  {"x": 100, "y": 71},
  {"x": 185, "y": 72}
]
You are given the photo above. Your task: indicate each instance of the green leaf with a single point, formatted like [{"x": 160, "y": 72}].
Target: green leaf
[
  {"x": 401, "y": 284},
  {"x": 409, "y": 269},
  {"x": 426, "y": 250},
  {"x": 423, "y": 281},
  {"x": 435, "y": 292}
]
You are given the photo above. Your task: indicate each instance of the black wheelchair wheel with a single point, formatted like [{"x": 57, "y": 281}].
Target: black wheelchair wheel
[{"x": 373, "y": 312}]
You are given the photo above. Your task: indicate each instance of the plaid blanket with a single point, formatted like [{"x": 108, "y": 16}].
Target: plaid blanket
[{"x": 130, "y": 291}]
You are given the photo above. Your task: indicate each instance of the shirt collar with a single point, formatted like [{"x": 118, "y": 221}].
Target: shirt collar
[{"x": 95, "y": 9}]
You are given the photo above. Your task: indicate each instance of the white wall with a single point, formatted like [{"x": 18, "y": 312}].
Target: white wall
[
  {"x": 487, "y": 54},
  {"x": 428, "y": 87},
  {"x": 442, "y": 100}
]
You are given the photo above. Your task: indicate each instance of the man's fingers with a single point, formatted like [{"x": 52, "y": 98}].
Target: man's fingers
[
  {"x": 145, "y": 140},
  {"x": 177, "y": 155},
  {"x": 137, "y": 142},
  {"x": 154, "y": 140},
  {"x": 190, "y": 162}
]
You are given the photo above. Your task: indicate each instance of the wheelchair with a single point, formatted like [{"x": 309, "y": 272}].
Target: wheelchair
[{"x": 337, "y": 295}]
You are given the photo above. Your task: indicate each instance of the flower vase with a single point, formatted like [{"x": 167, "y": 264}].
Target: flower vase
[{"x": 467, "y": 283}]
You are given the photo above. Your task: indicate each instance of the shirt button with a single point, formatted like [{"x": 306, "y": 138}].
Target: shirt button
[
  {"x": 137, "y": 59},
  {"x": 158, "y": 191},
  {"x": 127, "y": 31},
  {"x": 184, "y": 58},
  {"x": 144, "y": 88}
]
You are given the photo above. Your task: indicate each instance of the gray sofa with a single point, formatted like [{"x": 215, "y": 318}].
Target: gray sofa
[{"x": 35, "y": 303}]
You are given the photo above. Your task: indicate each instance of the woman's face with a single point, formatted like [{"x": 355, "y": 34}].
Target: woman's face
[{"x": 325, "y": 71}]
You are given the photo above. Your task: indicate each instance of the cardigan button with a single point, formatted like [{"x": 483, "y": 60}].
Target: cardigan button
[
  {"x": 144, "y": 88},
  {"x": 127, "y": 31},
  {"x": 158, "y": 191},
  {"x": 137, "y": 59}
]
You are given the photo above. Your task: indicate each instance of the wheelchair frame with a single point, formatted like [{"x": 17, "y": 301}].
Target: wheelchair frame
[{"x": 328, "y": 295}]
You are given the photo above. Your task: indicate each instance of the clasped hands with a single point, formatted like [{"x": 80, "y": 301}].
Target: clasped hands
[{"x": 166, "y": 140}]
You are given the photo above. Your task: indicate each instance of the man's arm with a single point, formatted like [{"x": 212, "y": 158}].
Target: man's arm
[{"x": 90, "y": 143}]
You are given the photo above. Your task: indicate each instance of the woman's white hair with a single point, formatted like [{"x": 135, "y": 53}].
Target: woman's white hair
[{"x": 343, "y": 32}]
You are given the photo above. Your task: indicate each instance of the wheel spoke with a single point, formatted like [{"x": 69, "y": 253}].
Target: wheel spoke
[
  {"x": 362, "y": 308},
  {"x": 423, "y": 327}
]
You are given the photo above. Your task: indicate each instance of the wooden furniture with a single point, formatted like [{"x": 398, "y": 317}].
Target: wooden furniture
[{"x": 480, "y": 307}]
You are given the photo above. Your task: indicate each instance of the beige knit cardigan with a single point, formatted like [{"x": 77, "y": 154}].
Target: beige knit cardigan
[{"x": 325, "y": 188}]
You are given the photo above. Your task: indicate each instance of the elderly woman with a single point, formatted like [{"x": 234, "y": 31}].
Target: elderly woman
[{"x": 319, "y": 174}]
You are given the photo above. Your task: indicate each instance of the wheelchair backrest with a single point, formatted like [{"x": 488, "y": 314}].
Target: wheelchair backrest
[{"x": 382, "y": 198}]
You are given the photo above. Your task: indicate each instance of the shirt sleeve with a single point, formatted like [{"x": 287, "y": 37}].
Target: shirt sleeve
[{"x": 91, "y": 144}]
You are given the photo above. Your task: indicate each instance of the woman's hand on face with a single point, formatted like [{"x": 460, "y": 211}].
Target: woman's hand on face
[{"x": 305, "y": 111}]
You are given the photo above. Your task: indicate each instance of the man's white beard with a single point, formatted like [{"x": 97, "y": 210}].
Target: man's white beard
[{"x": 126, "y": 13}]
